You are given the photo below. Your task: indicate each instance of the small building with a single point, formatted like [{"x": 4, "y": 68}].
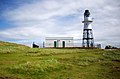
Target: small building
[
  {"x": 59, "y": 42},
  {"x": 98, "y": 46}
]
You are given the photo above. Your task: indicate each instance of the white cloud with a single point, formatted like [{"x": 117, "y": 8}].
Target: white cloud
[{"x": 51, "y": 18}]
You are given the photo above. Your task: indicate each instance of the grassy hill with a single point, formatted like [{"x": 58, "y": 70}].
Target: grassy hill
[
  {"x": 6, "y": 47},
  {"x": 2, "y": 43},
  {"x": 22, "y": 62}
]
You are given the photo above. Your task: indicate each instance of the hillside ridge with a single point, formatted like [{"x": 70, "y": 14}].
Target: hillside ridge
[{"x": 3, "y": 43}]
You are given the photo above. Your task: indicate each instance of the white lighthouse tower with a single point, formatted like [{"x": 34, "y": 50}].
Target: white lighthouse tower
[{"x": 88, "y": 40}]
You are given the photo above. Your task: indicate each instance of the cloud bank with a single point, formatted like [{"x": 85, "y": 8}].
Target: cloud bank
[{"x": 38, "y": 19}]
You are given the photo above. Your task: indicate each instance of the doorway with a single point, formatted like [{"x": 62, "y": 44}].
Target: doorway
[
  {"x": 55, "y": 44},
  {"x": 63, "y": 44}
]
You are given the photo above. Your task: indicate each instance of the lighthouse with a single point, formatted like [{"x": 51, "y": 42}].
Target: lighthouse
[{"x": 88, "y": 40}]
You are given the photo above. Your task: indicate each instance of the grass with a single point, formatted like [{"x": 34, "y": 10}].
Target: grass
[{"x": 18, "y": 61}]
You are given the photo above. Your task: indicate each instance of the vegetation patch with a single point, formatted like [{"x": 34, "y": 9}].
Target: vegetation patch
[
  {"x": 41, "y": 67},
  {"x": 22, "y": 62}
]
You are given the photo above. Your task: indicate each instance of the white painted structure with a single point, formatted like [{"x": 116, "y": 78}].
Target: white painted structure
[
  {"x": 59, "y": 42},
  {"x": 87, "y": 22},
  {"x": 88, "y": 40}
]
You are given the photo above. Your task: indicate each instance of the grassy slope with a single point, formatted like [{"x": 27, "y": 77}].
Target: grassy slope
[
  {"x": 17, "y": 61},
  {"x": 6, "y": 47}
]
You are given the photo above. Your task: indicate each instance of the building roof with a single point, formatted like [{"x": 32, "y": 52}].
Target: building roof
[{"x": 59, "y": 38}]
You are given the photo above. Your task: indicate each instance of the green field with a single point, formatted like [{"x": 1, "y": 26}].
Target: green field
[{"x": 22, "y": 62}]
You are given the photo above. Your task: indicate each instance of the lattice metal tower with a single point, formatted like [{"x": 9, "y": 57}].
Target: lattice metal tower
[{"x": 88, "y": 40}]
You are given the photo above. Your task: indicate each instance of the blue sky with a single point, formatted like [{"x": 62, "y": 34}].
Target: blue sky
[{"x": 25, "y": 21}]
